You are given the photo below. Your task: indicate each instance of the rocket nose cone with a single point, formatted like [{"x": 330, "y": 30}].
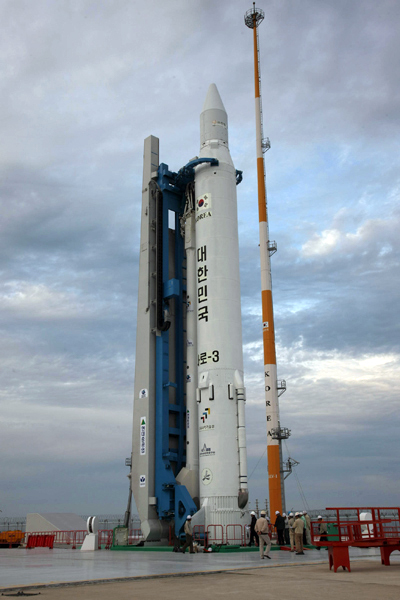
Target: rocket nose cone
[
  {"x": 213, "y": 99},
  {"x": 213, "y": 118}
]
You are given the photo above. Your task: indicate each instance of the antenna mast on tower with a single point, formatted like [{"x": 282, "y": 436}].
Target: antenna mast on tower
[{"x": 273, "y": 387}]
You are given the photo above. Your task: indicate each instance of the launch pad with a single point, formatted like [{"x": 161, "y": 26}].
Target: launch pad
[{"x": 43, "y": 568}]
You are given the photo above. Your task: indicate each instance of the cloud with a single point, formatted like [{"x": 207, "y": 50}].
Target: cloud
[
  {"x": 76, "y": 102},
  {"x": 322, "y": 244},
  {"x": 372, "y": 233}
]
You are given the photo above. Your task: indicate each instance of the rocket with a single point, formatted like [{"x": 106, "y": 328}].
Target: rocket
[
  {"x": 189, "y": 436},
  {"x": 221, "y": 393}
]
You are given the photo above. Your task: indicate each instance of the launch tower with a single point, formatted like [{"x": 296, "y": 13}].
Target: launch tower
[{"x": 273, "y": 387}]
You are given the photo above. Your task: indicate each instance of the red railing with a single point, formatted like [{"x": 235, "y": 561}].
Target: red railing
[
  {"x": 65, "y": 538},
  {"x": 135, "y": 535},
  {"x": 354, "y": 529},
  {"x": 105, "y": 538},
  {"x": 199, "y": 534},
  {"x": 234, "y": 535},
  {"x": 40, "y": 540},
  {"x": 215, "y": 534},
  {"x": 272, "y": 532},
  {"x": 378, "y": 530}
]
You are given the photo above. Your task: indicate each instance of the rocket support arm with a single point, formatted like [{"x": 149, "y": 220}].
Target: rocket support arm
[{"x": 186, "y": 173}]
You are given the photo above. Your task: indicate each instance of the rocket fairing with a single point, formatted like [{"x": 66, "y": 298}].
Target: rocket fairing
[{"x": 189, "y": 437}]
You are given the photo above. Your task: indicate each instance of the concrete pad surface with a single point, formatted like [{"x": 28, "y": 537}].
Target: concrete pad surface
[
  {"x": 41, "y": 566},
  {"x": 368, "y": 580}
]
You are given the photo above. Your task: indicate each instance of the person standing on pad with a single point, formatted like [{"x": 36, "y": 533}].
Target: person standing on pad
[
  {"x": 253, "y": 535},
  {"x": 298, "y": 533},
  {"x": 188, "y": 529},
  {"x": 291, "y": 531},
  {"x": 262, "y": 528},
  {"x": 322, "y": 530},
  {"x": 280, "y": 528}
]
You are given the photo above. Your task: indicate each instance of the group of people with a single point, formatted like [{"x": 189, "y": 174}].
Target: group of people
[{"x": 293, "y": 529}]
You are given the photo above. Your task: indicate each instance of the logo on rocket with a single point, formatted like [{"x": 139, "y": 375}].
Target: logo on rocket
[
  {"x": 206, "y": 451},
  {"x": 203, "y": 202},
  {"x": 206, "y": 476},
  {"x": 205, "y": 414}
]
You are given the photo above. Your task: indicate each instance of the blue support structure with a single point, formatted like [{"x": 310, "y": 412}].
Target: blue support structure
[{"x": 173, "y": 500}]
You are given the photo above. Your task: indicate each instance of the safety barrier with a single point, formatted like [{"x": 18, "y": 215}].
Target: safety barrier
[
  {"x": 72, "y": 538},
  {"x": 39, "y": 540},
  {"x": 231, "y": 534},
  {"x": 64, "y": 538},
  {"x": 199, "y": 534},
  {"x": 380, "y": 531},
  {"x": 105, "y": 537},
  {"x": 234, "y": 535},
  {"x": 75, "y": 538},
  {"x": 272, "y": 532},
  {"x": 213, "y": 536},
  {"x": 136, "y": 535}
]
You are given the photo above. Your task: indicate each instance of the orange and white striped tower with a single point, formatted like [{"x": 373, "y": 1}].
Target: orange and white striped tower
[{"x": 273, "y": 388}]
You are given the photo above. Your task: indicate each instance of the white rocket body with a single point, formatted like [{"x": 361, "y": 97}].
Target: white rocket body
[{"x": 221, "y": 394}]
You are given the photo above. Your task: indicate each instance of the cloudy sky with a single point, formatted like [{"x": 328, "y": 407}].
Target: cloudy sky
[{"x": 83, "y": 82}]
